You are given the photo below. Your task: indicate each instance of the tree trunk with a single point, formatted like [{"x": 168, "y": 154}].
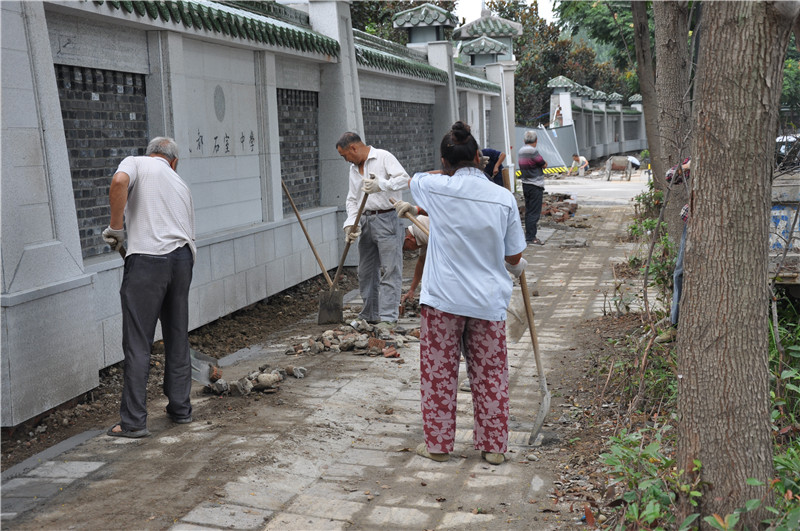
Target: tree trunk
[
  {"x": 647, "y": 85},
  {"x": 723, "y": 377},
  {"x": 672, "y": 88}
]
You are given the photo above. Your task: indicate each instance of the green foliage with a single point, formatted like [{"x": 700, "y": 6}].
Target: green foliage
[
  {"x": 375, "y": 17},
  {"x": 785, "y": 370},
  {"x": 786, "y": 511},
  {"x": 784, "y": 515},
  {"x": 542, "y": 54},
  {"x": 790, "y": 95},
  {"x": 662, "y": 261},
  {"x": 640, "y": 465},
  {"x": 609, "y": 23},
  {"x": 648, "y": 204}
]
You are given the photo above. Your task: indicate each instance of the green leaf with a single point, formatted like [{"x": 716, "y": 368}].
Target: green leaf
[
  {"x": 753, "y": 482},
  {"x": 751, "y": 504},
  {"x": 685, "y": 525},
  {"x": 716, "y": 522}
]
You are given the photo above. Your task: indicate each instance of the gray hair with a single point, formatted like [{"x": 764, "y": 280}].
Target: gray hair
[
  {"x": 163, "y": 145},
  {"x": 348, "y": 139},
  {"x": 530, "y": 137}
]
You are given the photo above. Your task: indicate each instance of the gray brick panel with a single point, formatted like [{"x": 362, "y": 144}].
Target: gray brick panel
[
  {"x": 404, "y": 129},
  {"x": 298, "y": 118},
  {"x": 105, "y": 120}
]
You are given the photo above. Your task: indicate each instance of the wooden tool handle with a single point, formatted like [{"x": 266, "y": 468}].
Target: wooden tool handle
[
  {"x": 347, "y": 244},
  {"x": 308, "y": 237},
  {"x": 417, "y": 222}
]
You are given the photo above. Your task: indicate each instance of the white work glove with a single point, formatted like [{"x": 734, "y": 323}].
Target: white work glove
[
  {"x": 401, "y": 207},
  {"x": 484, "y": 160},
  {"x": 371, "y": 186},
  {"x": 114, "y": 237},
  {"x": 518, "y": 268},
  {"x": 351, "y": 233}
]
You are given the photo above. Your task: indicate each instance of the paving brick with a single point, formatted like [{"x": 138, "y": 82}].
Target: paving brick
[
  {"x": 68, "y": 469},
  {"x": 33, "y": 488},
  {"x": 284, "y": 521},
  {"x": 464, "y": 519},
  {"x": 322, "y": 507},
  {"x": 399, "y": 517},
  {"x": 227, "y": 515},
  {"x": 15, "y": 506}
]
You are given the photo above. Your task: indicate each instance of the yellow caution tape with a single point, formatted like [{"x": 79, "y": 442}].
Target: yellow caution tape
[{"x": 557, "y": 169}]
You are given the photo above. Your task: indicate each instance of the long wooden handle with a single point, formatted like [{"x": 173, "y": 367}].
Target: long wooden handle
[
  {"x": 308, "y": 237},
  {"x": 523, "y": 283},
  {"x": 417, "y": 222},
  {"x": 347, "y": 242}
]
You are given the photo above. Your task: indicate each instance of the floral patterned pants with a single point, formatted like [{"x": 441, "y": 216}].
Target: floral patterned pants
[{"x": 484, "y": 343}]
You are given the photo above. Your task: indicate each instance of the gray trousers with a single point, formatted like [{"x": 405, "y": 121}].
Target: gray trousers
[
  {"x": 155, "y": 287},
  {"x": 380, "y": 267}
]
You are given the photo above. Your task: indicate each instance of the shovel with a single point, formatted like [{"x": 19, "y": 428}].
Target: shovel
[
  {"x": 308, "y": 237},
  {"x": 544, "y": 408},
  {"x": 330, "y": 302},
  {"x": 204, "y": 368}
]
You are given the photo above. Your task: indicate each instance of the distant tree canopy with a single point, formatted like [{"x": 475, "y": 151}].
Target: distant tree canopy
[
  {"x": 543, "y": 54},
  {"x": 541, "y": 50},
  {"x": 375, "y": 17}
]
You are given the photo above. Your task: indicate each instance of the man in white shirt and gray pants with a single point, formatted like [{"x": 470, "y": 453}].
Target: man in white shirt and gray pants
[
  {"x": 157, "y": 205},
  {"x": 380, "y": 268}
]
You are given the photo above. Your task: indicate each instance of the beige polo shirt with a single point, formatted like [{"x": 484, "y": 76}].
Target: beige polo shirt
[{"x": 159, "y": 214}]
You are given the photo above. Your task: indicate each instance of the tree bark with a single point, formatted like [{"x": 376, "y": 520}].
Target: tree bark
[
  {"x": 672, "y": 89},
  {"x": 647, "y": 85},
  {"x": 723, "y": 345}
]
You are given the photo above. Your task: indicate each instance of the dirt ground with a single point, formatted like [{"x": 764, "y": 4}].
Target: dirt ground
[
  {"x": 584, "y": 404},
  {"x": 275, "y": 316}
]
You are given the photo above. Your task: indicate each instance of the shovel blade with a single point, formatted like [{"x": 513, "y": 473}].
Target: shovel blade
[
  {"x": 330, "y": 307},
  {"x": 203, "y": 367},
  {"x": 544, "y": 409}
]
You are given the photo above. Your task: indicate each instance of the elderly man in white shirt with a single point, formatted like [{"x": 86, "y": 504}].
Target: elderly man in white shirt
[
  {"x": 156, "y": 204},
  {"x": 380, "y": 235}
]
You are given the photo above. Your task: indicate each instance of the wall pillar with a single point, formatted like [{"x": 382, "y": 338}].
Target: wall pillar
[
  {"x": 340, "y": 108},
  {"x": 270, "y": 150},
  {"x": 445, "y": 110},
  {"x": 51, "y": 340},
  {"x": 503, "y": 128}
]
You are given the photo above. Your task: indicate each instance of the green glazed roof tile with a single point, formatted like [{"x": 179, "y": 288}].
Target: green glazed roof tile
[
  {"x": 484, "y": 45},
  {"x": 562, "y": 82},
  {"x": 490, "y": 26},
  {"x": 636, "y": 98},
  {"x": 424, "y": 15},
  {"x": 265, "y": 22},
  {"x": 380, "y": 60},
  {"x": 472, "y": 82},
  {"x": 614, "y": 97},
  {"x": 390, "y": 47}
]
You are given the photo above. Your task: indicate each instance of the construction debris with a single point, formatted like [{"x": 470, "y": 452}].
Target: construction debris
[
  {"x": 261, "y": 381},
  {"x": 560, "y": 207},
  {"x": 358, "y": 337}
]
